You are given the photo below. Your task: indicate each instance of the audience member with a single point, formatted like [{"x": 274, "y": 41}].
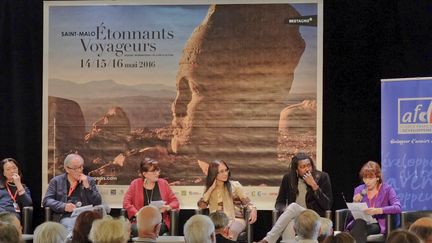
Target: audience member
[
  {"x": 14, "y": 195},
  {"x": 50, "y": 232},
  {"x": 223, "y": 194},
  {"x": 307, "y": 226},
  {"x": 422, "y": 227},
  {"x": 285, "y": 225},
  {"x": 199, "y": 229},
  {"x": 342, "y": 237},
  {"x": 9, "y": 233},
  {"x": 71, "y": 190},
  {"x": 306, "y": 186},
  {"x": 10, "y": 218},
  {"x": 83, "y": 225},
  {"x": 148, "y": 223},
  {"x": 220, "y": 221},
  {"x": 110, "y": 230},
  {"x": 401, "y": 235},
  {"x": 148, "y": 188},
  {"x": 380, "y": 198}
]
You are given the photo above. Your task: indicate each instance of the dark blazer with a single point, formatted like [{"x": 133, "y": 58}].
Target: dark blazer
[
  {"x": 56, "y": 195},
  {"x": 319, "y": 201}
]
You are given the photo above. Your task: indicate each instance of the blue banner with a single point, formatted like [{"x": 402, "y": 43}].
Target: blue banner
[{"x": 406, "y": 140}]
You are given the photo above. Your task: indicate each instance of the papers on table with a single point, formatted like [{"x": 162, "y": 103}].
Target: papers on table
[{"x": 357, "y": 210}]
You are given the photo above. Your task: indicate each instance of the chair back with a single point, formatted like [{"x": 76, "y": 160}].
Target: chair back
[{"x": 409, "y": 217}]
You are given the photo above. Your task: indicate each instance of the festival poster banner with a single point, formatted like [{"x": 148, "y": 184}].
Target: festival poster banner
[
  {"x": 183, "y": 84},
  {"x": 406, "y": 127}
]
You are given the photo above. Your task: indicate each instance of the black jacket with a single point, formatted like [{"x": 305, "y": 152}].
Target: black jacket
[{"x": 319, "y": 201}]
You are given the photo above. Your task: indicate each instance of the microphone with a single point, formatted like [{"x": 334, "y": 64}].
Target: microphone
[
  {"x": 363, "y": 192},
  {"x": 346, "y": 214}
]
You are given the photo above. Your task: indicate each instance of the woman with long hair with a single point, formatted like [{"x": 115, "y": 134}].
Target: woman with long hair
[
  {"x": 223, "y": 194},
  {"x": 14, "y": 195}
]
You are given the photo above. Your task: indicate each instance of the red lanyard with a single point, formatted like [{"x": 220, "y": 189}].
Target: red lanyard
[
  {"x": 10, "y": 193},
  {"x": 72, "y": 188}
]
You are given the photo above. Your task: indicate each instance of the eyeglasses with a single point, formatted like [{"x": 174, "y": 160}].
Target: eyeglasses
[
  {"x": 223, "y": 171},
  {"x": 76, "y": 169}
]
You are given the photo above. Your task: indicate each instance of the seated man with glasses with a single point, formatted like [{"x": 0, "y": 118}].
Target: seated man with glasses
[{"x": 71, "y": 190}]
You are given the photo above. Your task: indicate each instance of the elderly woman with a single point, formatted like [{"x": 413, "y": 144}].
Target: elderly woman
[
  {"x": 14, "y": 195},
  {"x": 380, "y": 198},
  {"x": 223, "y": 194},
  {"x": 147, "y": 189}
]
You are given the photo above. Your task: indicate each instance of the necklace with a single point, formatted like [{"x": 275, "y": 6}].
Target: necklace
[{"x": 149, "y": 199}]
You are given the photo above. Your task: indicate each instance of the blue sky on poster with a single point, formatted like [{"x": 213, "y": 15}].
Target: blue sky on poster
[{"x": 66, "y": 52}]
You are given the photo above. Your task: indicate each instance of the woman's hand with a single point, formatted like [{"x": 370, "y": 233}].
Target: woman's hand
[
  {"x": 209, "y": 191},
  {"x": 165, "y": 208},
  {"x": 16, "y": 179},
  {"x": 308, "y": 178},
  {"x": 373, "y": 211},
  {"x": 357, "y": 197},
  {"x": 253, "y": 216}
]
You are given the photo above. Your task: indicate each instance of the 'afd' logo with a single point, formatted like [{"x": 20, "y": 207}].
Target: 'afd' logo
[{"x": 414, "y": 115}]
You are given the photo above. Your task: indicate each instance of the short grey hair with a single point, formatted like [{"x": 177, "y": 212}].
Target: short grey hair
[
  {"x": 50, "y": 232},
  {"x": 199, "y": 229},
  {"x": 220, "y": 219},
  {"x": 307, "y": 225},
  {"x": 71, "y": 157}
]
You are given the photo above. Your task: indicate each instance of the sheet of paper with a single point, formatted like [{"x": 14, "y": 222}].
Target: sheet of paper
[
  {"x": 79, "y": 210},
  {"x": 357, "y": 210},
  {"x": 157, "y": 204}
]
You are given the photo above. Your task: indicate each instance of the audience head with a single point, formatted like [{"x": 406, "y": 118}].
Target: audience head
[
  {"x": 218, "y": 170},
  {"x": 307, "y": 225},
  {"x": 50, "y": 232},
  {"x": 301, "y": 163},
  {"x": 10, "y": 218},
  {"x": 219, "y": 219},
  {"x": 8, "y": 167},
  {"x": 83, "y": 225},
  {"x": 326, "y": 229},
  {"x": 342, "y": 237},
  {"x": 149, "y": 222},
  {"x": 199, "y": 229},
  {"x": 110, "y": 230},
  {"x": 402, "y": 235},
  {"x": 422, "y": 227},
  {"x": 371, "y": 170},
  {"x": 9, "y": 233}
]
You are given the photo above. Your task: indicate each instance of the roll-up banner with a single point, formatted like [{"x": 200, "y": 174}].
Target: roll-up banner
[{"x": 406, "y": 142}]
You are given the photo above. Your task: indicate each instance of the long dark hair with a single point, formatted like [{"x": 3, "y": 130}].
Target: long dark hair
[
  {"x": 2, "y": 177},
  {"x": 213, "y": 171},
  {"x": 293, "y": 170}
]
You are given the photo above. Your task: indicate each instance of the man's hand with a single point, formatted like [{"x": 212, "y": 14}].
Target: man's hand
[
  {"x": 84, "y": 180},
  {"x": 253, "y": 216},
  {"x": 308, "y": 178},
  {"x": 69, "y": 207}
]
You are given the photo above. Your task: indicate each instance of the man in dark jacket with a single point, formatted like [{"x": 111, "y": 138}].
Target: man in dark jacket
[{"x": 306, "y": 186}]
